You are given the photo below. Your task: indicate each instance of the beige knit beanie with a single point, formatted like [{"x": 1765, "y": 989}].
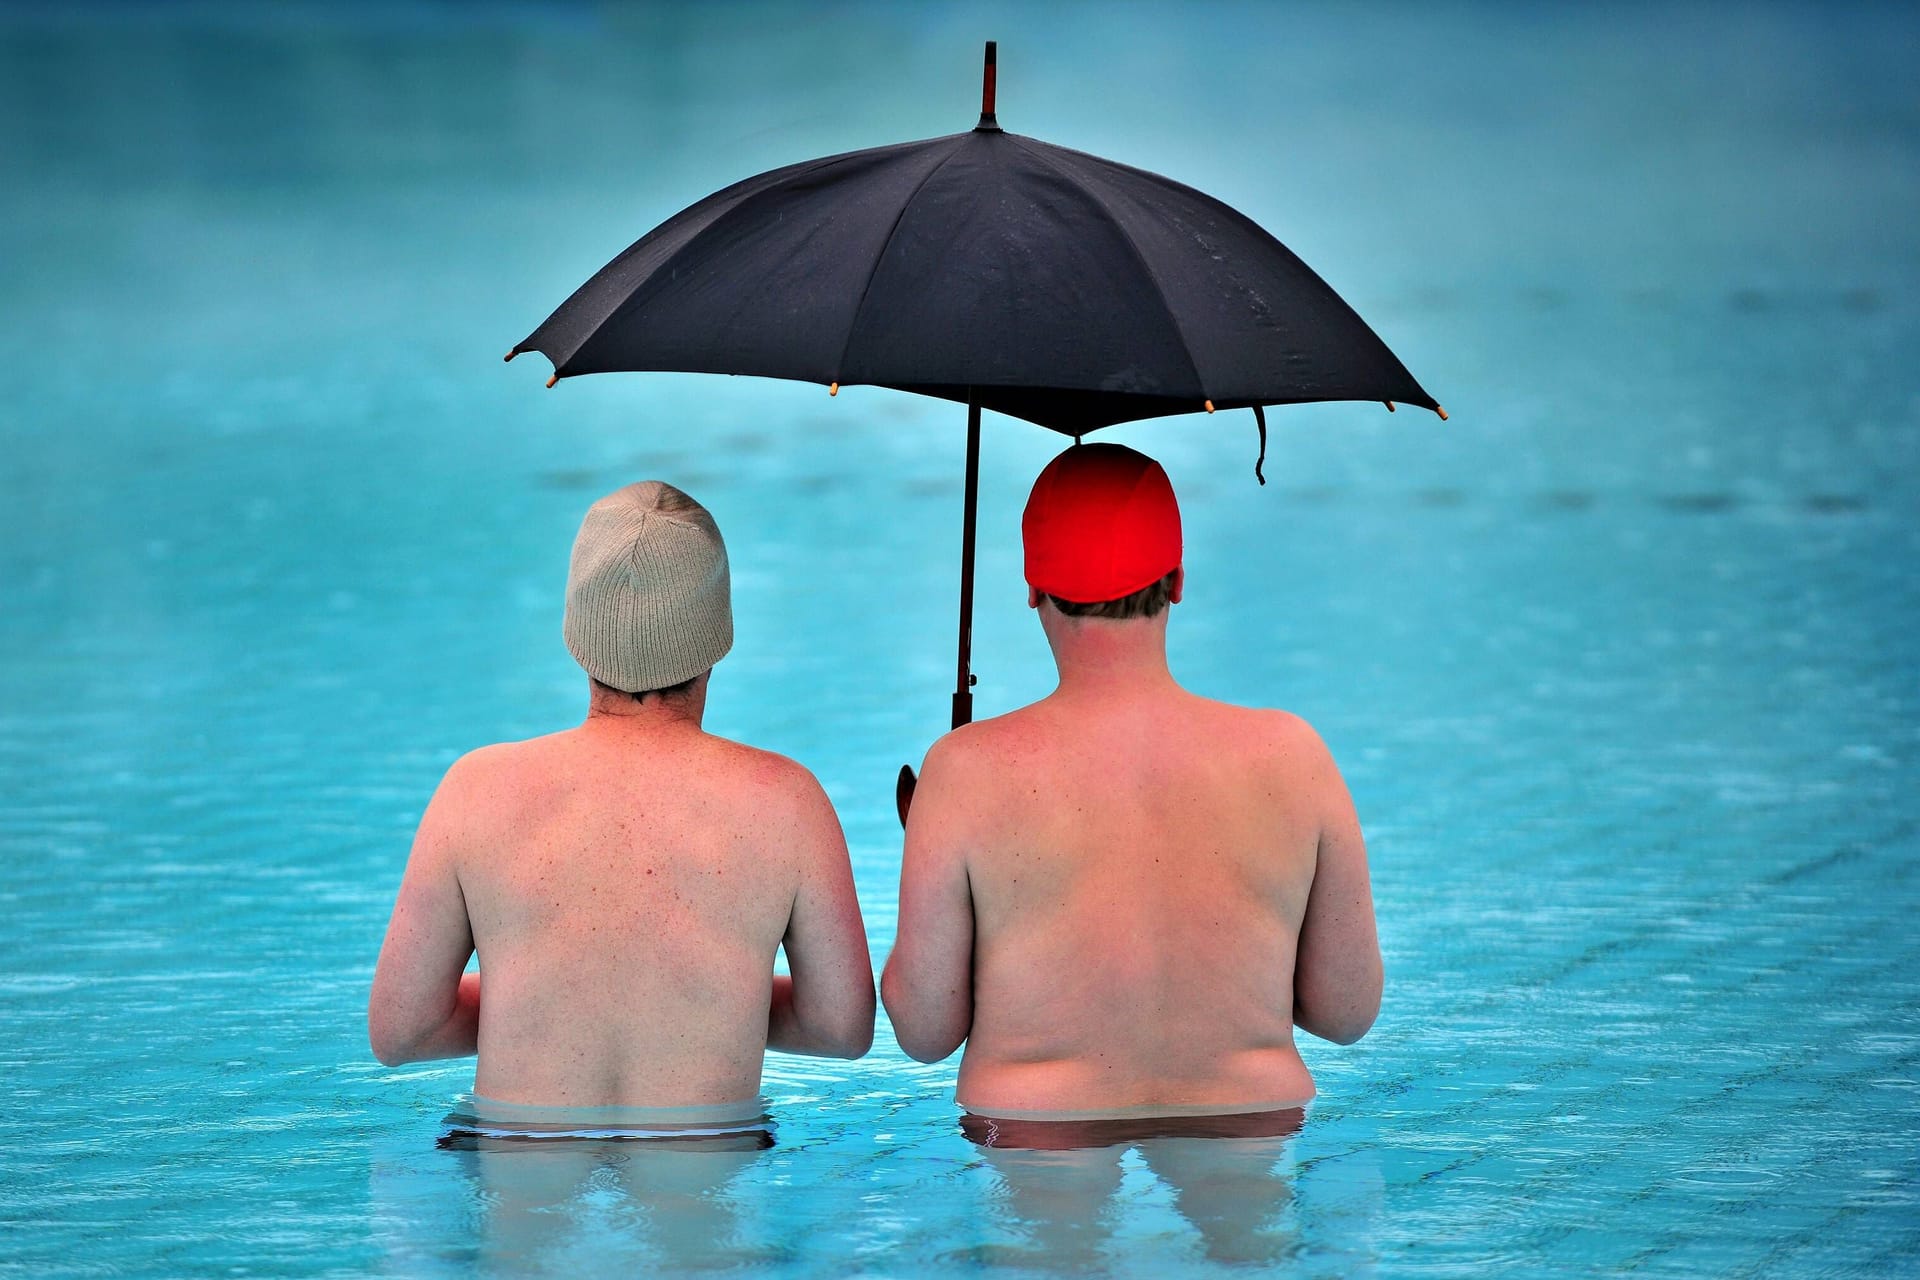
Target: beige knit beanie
[{"x": 648, "y": 594}]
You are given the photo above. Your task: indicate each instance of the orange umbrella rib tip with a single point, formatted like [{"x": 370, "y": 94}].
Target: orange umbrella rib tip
[
  {"x": 1209, "y": 406},
  {"x": 833, "y": 388},
  {"x": 508, "y": 358},
  {"x": 1390, "y": 408},
  {"x": 1442, "y": 412},
  {"x": 550, "y": 381}
]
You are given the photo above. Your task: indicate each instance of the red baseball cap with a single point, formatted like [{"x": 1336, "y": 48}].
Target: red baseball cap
[{"x": 1100, "y": 523}]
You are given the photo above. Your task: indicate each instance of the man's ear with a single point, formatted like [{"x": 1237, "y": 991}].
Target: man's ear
[
  {"x": 1179, "y": 585},
  {"x": 1033, "y": 598}
]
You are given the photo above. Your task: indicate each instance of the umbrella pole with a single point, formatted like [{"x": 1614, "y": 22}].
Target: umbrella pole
[
  {"x": 904, "y": 785},
  {"x": 963, "y": 681}
]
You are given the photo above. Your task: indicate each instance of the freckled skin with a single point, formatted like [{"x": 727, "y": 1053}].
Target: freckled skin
[
  {"x": 1127, "y": 896},
  {"x": 623, "y": 964}
]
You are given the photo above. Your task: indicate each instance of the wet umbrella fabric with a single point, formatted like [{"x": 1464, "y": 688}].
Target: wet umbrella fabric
[{"x": 983, "y": 267}]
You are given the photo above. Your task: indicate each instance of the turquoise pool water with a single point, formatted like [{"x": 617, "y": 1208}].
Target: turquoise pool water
[{"x": 1620, "y": 663}]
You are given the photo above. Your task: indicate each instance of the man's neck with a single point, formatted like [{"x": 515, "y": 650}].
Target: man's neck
[
  {"x": 1098, "y": 655},
  {"x": 623, "y": 713}
]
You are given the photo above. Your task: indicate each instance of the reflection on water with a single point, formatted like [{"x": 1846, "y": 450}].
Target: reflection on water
[
  {"x": 573, "y": 1204},
  {"x": 542, "y": 1199},
  {"x": 1153, "y": 1206},
  {"x": 1059, "y": 1182},
  {"x": 1064, "y": 1203},
  {"x": 1243, "y": 1201}
]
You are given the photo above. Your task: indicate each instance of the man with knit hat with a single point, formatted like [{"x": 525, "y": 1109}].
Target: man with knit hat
[
  {"x": 627, "y": 882},
  {"x": 1124, "y": 898}
]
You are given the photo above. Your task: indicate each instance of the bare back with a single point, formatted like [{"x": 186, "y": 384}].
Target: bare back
[
  {"x": 1140, "y": 871},
  {"x": 626, "y": 894},
  {"x": 627, "y": 937}
]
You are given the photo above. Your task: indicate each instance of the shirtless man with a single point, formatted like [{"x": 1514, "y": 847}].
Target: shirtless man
[
  {"x": 626, "y": 883},
  {"x": 1124, "y": 897}
]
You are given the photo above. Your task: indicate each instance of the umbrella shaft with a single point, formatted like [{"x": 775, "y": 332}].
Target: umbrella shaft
[{"x": 963, "y": 681}]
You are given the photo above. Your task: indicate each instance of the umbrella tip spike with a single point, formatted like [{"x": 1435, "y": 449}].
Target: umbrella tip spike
[
  {"x": 1442, "y": 412},
  {"x": 1390, "y": 408},
  {"x": 551, "y": 381},
  {"x": 1209, "y": 405},
  {"x": 833, "y": 388},
  {"x": 511, "y": 354},
  {"x": 989, "y": 77}
]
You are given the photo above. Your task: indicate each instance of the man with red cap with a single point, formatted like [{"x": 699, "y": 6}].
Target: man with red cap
[{"x": 1124, "y": 897}]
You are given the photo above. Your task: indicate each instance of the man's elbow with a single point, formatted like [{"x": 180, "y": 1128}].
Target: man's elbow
[
  {"x": 1346, "y": 1029},
  {"x": 1345, "y": 1017},
  {"x": 852, "y": 1037},
  {"x": 390, "y": 1043},
  {"x": 924, "y": 1043},
  {"x": 853, "y": 1044},
  {"x": 917, "y": 1038},
  {"x": 845, "y": 1031},
  {"x": 927, "y": 1050},
  {"x": 388, "y": 1049}
]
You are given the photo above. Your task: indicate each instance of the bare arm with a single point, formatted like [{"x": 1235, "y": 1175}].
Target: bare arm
[
  {"x": 423, "y": 1006},
  {"x": 928, "y": 981},
  {"x": 826, "y": 1007},
  {"x": 1337, "y": 974}
]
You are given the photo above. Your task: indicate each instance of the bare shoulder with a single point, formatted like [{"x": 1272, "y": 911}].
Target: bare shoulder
[
  {"x": 1256, "y": 729},
  {"x": 482, "y": 766},
  {"x": 974, "y": 777},
  {"x": 493, "y": 789},
  {"x": 494, "y": 776},
  {"x": 992, "y": 745},
  {"x": 776, "y": 787},
  {"x": 765, "y": 770},
  {"x": 1272, "y": 738},
  {"x": 464, "y": 807}
]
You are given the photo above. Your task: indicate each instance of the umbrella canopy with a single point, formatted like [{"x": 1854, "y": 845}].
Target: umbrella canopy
[
  {"x": 983, "y": 267},
  {"x": 986, "y": 268}
]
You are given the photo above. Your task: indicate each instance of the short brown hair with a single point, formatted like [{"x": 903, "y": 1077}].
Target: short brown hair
[
  {"x": 1147, "y": 602},
  {"x": 641, "y": 695}
]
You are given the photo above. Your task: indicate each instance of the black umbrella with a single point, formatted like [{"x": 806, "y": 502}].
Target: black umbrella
[{"x": 985, "y": 268}]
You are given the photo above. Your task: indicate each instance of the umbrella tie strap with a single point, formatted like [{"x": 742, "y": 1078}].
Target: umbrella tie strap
[{"x": 1260, "y": 421}]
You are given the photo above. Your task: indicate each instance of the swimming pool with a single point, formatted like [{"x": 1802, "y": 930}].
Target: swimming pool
[{"x": 1620, "y": 663}]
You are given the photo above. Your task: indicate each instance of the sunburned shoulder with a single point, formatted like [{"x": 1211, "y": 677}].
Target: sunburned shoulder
[
  {"x": 767, "y": 772},
  {"x": 1281, "y": 738},
  {"x": 502, "y": 761},
  {"x": 778, "y": 800},
  {"x": 1270, "y": 725},
  {"x": 995, "y": 743},
  {"x": 490, "y": 777}
]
